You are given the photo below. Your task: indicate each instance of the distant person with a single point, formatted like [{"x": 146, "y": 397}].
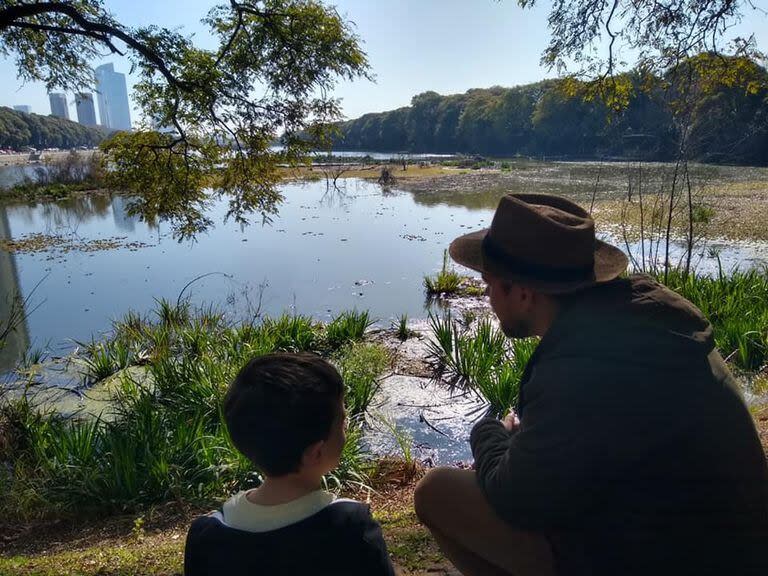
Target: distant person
[
  {"x": 285, "y": 412},
  {"x": 634, "y": 452}
]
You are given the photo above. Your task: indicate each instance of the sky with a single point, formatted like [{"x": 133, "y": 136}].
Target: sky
[{"x": 448, "y": 46}]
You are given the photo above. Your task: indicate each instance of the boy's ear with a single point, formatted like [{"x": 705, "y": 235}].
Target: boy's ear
[{"x": 313, "y": 454}]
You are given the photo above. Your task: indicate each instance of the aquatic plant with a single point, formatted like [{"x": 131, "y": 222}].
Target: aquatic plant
[
  {"x": 346, "y": 328},
  {"x": 172, "y": 314},
  {"x": 403, "y": 332},
  {"x": 446, "y": 281},
  {"x": 293, "y": 332},
  {"x": 103, "y": 359},
  {"x": 482, "y": 360}
]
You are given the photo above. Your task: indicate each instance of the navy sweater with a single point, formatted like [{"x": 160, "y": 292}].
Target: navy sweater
[{"x": 342, "y": 539}]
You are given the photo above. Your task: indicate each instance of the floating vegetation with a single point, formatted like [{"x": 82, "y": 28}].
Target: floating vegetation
[{"x": 63, "y": 244}]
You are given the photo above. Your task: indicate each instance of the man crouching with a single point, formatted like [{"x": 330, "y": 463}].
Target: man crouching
[{"x": 634, "y": 452}]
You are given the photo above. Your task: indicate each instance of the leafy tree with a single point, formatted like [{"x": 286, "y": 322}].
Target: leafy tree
[
  {"x": 270, "y": 75},
  {"x": 421, "y": 121},
  {"x": 662, "y": 33},
  {"x": 711, "y": 107}
]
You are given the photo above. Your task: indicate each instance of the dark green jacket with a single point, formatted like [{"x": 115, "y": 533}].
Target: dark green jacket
[{"x": 636, "y": 453}]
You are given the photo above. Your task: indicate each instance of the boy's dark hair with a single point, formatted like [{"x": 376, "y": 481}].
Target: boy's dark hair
[{"x": 278, "y": 405}]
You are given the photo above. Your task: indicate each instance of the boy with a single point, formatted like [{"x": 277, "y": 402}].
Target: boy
[{"x": 285, "y": 412}]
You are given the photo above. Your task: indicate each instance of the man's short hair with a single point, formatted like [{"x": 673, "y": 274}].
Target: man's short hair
[{"x": 278, "y": 405}]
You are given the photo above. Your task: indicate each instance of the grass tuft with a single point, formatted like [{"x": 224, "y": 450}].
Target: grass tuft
[
  {"x": 482, "y": 360},
  {"x": 447, "y": 281}
]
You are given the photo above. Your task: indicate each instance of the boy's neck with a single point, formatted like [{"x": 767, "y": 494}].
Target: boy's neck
[{"x": 282, "y": 489}]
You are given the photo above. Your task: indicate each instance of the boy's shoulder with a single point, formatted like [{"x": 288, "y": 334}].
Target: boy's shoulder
[
  {"x": 303, "y": 547},
  {"x": 342, "y": 516}
]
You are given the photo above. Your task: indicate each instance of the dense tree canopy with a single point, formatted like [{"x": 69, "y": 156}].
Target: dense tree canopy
[
  {"x": 18, "y": 130},
  {"x": 590, "y": 38},
  {"x": 270, "y": 75},
  {"x": 718, "y": 114}
]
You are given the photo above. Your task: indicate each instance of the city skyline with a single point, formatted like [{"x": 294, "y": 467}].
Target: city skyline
[{"x": 111, "y": 94}]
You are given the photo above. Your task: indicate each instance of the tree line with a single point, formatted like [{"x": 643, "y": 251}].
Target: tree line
[
  {"x": 19, "y": 130},
  {"x": 713, "y": 109}
]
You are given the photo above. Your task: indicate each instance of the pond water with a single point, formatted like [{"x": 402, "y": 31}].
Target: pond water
[{"x": 327, "y": 251}]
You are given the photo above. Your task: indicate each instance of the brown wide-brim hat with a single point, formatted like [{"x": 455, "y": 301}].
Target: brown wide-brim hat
[{"x": 544, "y": 241}]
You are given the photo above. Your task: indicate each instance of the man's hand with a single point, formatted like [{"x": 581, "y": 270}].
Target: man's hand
[{"x": 511, "y": 422}]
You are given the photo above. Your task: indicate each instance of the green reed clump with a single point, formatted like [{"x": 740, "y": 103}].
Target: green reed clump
[
  {"x": 172, "y": 314},
  {"x": 347, "y": 327},
  {"x": 402, "y": 330},
  {"x": 163, "y": 436},
  {"x": 737, "y": 306},
  {"x": 482, "y": 360},
  {"x": 447, "y": 281},
  {"x": 103, "y": 359},
  {"x": 294, "y": 333}
]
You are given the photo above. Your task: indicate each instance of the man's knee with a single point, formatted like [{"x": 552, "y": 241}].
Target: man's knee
[{"x": 432, "y": 493}]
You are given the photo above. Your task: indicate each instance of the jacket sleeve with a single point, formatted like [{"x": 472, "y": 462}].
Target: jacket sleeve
[
  {"x": 373, "y": 558},
  {"x": 192, "y": 564},
  {"x": 543, "y": 476}
]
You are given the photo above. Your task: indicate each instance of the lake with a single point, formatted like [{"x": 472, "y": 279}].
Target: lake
[{"x": 327, "y": 251}]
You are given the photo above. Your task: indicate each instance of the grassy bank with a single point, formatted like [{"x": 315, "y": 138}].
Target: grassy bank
[
  {"x": 162, "y": 437},
  {"x": 152, "y": 544}
]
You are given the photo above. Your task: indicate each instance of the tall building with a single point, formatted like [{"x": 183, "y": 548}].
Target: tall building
[
  {"x": 23, "y": 108},
  {"x": 59, "y": 106},
  {"x": 86, "y": 112},
  {"x": 113, "y": 98}
]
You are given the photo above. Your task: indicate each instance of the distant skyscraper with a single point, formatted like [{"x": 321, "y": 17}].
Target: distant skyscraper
[
  {"x": 86, "y": 112},
  {"x": 23, "y": 108},
  {"x": 113, "y": 98},
  {"x": 59, "y": 106}
]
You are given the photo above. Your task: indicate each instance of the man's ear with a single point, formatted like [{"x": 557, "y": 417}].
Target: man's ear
[
  {"x": 313, "y": 454},
  {"x": 525, "y": 296}
]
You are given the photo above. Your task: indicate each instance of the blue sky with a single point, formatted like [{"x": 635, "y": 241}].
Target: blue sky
[{"x": 413, "y": 45}]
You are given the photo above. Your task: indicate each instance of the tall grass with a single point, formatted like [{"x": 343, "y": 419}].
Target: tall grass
[
  {"x": 294, "y": 333},
  {"x": 482, "y": 360},
  {"x": 163, "y": 436},
  {"x": 737, "y": 306}
]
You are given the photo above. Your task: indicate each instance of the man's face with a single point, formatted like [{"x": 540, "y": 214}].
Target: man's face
[{"x": 512, "y": 304}]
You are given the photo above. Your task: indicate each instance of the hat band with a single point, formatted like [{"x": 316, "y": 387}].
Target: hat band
[{"x": 493, "y": 251}]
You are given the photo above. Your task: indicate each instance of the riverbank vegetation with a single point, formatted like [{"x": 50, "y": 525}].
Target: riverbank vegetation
[
  {"x": 59, "y": 177},
  {"x": 161, "y": 437},
  {"x": 721, "y": 100}
]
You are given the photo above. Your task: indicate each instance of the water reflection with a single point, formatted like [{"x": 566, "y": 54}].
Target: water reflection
[
  {"x": 328, "y": 250},
  {"x": 12, "y": 312}
]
